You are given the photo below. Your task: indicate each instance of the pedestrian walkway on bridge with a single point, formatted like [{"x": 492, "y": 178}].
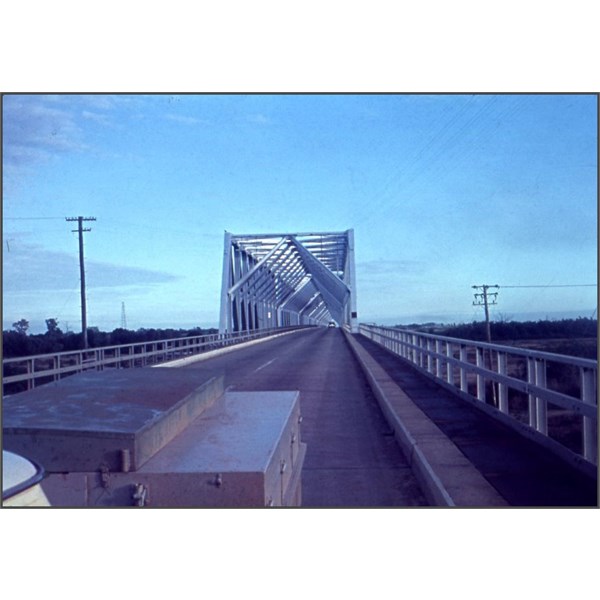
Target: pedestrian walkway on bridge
[{"x": 522, "y": 472}]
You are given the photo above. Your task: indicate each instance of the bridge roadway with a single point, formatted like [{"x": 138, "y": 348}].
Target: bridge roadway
[
  {"x": 352, "y": 460},
  {"x": 352, "y": 457}
]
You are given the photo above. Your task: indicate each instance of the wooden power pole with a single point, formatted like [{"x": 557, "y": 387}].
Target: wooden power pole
[
  {"x": 482, "y": 299},
  {"x": 81, "y": 230}
]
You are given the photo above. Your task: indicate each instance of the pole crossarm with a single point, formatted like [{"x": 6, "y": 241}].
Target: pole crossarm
[{"x": 282, "y": 279}]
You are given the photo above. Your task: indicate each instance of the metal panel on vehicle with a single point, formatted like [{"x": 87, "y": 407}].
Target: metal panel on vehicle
[
  {"x": 276, "y": 487},
  {"x": 115, "y": 420},
  {"x": 229, "y": 456}
]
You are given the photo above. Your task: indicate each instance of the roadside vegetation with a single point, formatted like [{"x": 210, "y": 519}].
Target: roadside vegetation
[
  {"x": 17, "y": 342},
  {"x": 574, "y": 337}
]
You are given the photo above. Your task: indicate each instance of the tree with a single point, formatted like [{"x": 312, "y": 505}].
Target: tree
[
  {"x": 52, "y": 325},
  {"x": 21, "y": 326}
]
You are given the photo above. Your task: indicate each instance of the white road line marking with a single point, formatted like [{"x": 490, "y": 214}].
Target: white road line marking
[{"x": 265, "y": 365}]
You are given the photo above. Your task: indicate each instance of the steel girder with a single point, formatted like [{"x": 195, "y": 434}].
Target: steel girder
[{"x": 277, "y": 280}]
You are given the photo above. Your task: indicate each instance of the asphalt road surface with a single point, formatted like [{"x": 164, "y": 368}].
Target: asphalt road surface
[{"x": 352, "y": 458}]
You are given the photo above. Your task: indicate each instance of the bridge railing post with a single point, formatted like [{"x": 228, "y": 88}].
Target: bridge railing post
[
  {"x": 449, "y": 365},
  {"x": 590, "y": 426},
  {"x": 480, "y": 362},
  {"x": 421, "y": 342},
  {"x": 438, "y": 360},
  {"x": 502, "y": 387},
  {"x": 541, "y": 405},
  {"x": 30, "y": 372},
  {"x": 430, "y": 358},
  {"x": 464, "y": 359},
  {"x": 531, "y": 396}
]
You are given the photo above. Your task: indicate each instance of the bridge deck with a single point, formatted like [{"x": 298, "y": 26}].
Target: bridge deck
[
  {"x": 520, "y": 470},
  {"x": 352, "y": 459}
]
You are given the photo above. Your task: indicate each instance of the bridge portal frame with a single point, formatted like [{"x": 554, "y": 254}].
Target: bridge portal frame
[{"x": 288, "y": 279}]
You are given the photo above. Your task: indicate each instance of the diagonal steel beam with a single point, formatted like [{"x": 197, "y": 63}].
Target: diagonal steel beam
[{"x": 256, "y": 267}]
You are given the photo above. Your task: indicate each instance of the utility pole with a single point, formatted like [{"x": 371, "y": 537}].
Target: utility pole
[
  {"x": 81, "y": 230},
  {"x": 123, "y": 317},
  {"x": 482, "y": 300}
]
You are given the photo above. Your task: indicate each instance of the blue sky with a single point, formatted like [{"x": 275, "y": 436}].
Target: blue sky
[{"x": 443, "y": 192}]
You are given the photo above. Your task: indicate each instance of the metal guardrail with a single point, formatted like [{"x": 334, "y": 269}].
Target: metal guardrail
[
  {"x": 550, "y": 397},
  {"x": 32, "y": 371}
]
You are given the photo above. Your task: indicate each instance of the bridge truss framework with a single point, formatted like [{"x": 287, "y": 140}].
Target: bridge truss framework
[{"x": 287, "y": 279}]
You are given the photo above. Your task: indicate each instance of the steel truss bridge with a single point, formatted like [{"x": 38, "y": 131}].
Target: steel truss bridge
[
  {"x": 390, "y": 417},
  {"x": 279, "y": 280}
]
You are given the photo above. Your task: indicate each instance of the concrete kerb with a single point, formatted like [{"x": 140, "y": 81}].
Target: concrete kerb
[
  {"x": 432, "y": 486},
  {"x": 423, "y": 446},
  {"x": 181, "y": 362}
]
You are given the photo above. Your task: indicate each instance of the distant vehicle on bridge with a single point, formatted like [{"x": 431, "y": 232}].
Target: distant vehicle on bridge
[{"x": 332, "y": 324}]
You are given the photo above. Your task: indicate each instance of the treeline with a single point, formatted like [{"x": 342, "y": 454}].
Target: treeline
[
  {"x": 18, "y": 343},
  {"x": 526, "y": 330}
]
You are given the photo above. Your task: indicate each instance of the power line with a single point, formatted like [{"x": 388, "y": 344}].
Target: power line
[
  {"x": 32, "y": 218},
  {"x": 411, "y": 165},
  {"x": 551, "y": 286}
]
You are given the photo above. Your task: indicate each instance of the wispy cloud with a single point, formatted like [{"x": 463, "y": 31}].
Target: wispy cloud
[
  {"x": 186, "y": 120},
  {"x": 100, "y": 118},
  {"x": 31, "y": 267},
  {"x": 259, "y": 119},
  {"x": 385, "y": 276},
  {"x": 35, "y": 129},
  {"x": 102, "y": 101},
  {"x": 388, "y": 267}
]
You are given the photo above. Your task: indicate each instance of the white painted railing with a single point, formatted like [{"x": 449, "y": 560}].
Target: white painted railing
[
  {"x": 31, "y": 371},
  {"x": 549, "y": 397}
]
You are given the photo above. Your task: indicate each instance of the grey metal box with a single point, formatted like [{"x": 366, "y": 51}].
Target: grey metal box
[
  {"x": 115, "y": 420},
  {"x": 229, "y": 456}
]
